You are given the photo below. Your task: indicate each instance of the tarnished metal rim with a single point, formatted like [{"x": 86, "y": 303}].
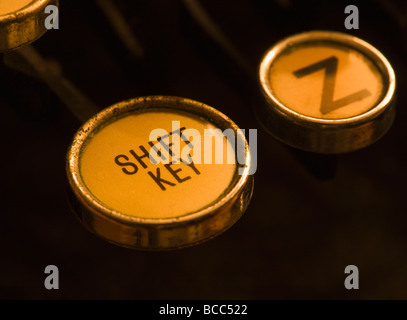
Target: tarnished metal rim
[
  {"x": 336, "y": 37},
  {"x": 138, "y": 105},
  {"x": 25, "y": 25}
]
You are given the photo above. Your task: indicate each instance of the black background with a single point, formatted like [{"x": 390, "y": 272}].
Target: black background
[{"x": 299, "y": 232}]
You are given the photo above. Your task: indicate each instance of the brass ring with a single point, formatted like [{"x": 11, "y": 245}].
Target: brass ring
[
  {"x": 320, "y": 134},
  {"x": 23, "y": 26},
  {"x": 156, "y": 233}
]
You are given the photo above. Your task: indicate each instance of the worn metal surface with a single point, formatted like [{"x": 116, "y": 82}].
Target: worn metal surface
[
  {"x": 24, "y": 26},
  {"x": 164, "y": 233}
]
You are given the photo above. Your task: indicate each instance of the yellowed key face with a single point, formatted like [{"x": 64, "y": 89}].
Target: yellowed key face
[
  {"x": 325, "y": 80},
  {"x": 326, "y": 92},
  {"x": 159, "y": 172},
  {"x": 117, "y": 170},
  {"x": 10, "y": 6}
]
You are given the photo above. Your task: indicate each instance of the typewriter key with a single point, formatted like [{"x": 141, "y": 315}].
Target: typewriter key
[
  {"x": 326, "y": 92},
  {"x": 22, "y": 22},
  {"x": 161, "y": 191}
]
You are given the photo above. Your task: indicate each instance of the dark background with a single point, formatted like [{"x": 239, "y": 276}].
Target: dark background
[{"x": 301, "y": 228}]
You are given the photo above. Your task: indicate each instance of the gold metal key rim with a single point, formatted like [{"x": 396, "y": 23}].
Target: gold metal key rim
[
  {"x": 319, "y": 134},
  {"x": 360, "y": 45},
  {"x": 24, "y": 25},
  {"x": 123, "y": 229}
]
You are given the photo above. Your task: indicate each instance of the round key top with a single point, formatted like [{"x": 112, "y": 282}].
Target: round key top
[
  {"x": 22, "y": 21},
  {"x": 326, "y": 92},
  {"x": 159, "y": 172}
]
